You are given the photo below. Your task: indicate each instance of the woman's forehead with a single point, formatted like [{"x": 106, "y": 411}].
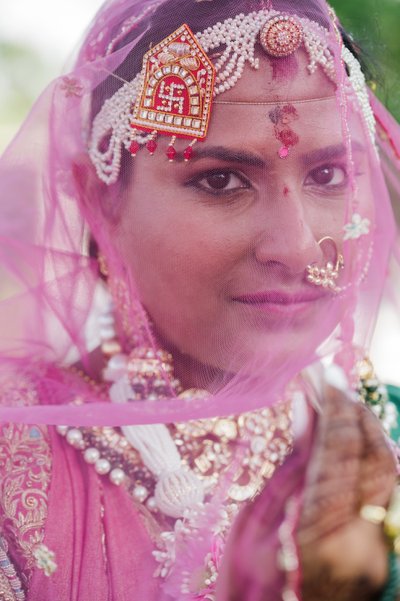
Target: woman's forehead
[
  {"x": 258, "y": 128},
  {"x": 280, "y": 80},
  {"x": 252, "y": 106}
]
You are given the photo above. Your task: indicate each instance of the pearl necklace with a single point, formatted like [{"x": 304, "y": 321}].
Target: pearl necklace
[
  {"x": 206, "y": 446},
  {"x": 173, "y": 468}
]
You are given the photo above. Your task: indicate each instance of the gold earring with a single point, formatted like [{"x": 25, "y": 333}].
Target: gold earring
[
  {"x": 327, "y": 275},
  {"x": 103, "y": 267}
]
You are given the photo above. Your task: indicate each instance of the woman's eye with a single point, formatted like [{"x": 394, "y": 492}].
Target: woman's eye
[
  {"x": 327, "y": 175},
  {"x": 220, "y": 182}
]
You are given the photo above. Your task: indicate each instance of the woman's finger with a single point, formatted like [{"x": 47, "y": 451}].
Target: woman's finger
[
  {"x": 378, "y": 467},
  {"x": 332, "y": 485}
]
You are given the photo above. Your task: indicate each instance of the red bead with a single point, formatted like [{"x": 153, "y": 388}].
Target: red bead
[
  {"x": 188, "y": 153},
  {"x": 171, "y": 153},
  {"x": 134, "y": 148},
  {"x": 151, "y": 146}
]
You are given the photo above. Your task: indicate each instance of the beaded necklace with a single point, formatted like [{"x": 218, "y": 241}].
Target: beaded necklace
[
  {"x": 206, "y": 446},
  {"x": 255, "y": 442},
  {"x": 201, "y": 454},
  {"x": 245, "y": 449}
]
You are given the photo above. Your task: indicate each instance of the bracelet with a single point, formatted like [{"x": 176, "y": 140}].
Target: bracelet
[{"x": 392, "y": 586}]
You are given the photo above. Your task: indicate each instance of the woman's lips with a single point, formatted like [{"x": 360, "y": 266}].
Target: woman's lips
[{"x": 283, "y": 301}]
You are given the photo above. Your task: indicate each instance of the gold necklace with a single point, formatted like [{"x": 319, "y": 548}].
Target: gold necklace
[{"x": 208, "y": 447}]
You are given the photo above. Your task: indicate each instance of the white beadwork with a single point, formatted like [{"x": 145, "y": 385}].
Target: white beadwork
[
  {"x": 74, "y": 437},
  {"x": 140, "y": 493},
  {"x": 238, "y": 36},
  {"x": 116, "y": 368},
  {"x": 357, "y": 227},
  {"x": 359, "y": 88},
  {"x": 177, "y": 488},
  {"x": 117, "y": 476},
  {"x": 62, "y": 430},
  {"x": 177, "y": 492},
  {"x": 113, "y": 120},
  {"x": 102, "y": 466},
  {"x": 151, "y": 504},
  {"x": 91, "y": 455},
  {"x": 106, "y": 323},
  {"x": 45, "y": 559}
]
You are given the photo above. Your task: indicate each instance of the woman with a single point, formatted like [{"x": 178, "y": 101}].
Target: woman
[{"x": 206, "y": 217}]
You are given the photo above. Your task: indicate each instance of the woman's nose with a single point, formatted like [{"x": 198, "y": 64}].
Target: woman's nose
[{"x": 288, "y": 237}]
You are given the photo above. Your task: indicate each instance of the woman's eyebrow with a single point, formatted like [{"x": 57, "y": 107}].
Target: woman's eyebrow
[
  {"x": 229, "y": 155},
  {"x": 330, "y": 152},
  {"x": 236, "y": 155}
]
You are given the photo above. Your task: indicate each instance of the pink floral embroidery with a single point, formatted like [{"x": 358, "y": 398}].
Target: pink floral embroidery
[{"x": 71, "y": 87}]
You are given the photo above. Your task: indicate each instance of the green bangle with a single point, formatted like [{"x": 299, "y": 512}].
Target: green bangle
[{"x": 392, "y": 586}]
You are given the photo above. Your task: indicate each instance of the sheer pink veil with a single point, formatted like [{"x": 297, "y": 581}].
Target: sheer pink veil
[
  {"x": 51, "y": 200},
  {"x": 57, "y": 217}
]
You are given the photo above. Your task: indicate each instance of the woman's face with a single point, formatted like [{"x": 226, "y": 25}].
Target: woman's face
[{"x": 219, "y": 246}]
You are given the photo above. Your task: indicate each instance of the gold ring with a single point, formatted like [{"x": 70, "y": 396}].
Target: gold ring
[
  {"x": 388, "y": 518},
  {"x": 373, "y": 513}
]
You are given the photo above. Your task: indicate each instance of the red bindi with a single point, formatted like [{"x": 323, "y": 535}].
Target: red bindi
[{"x": 281, "y": 117}]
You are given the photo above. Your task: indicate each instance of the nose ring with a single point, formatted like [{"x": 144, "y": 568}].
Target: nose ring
[{"x": 327, "y": 275}]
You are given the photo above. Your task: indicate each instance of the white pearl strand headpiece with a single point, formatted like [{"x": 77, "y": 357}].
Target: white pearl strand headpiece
[{"x": 239, "y": 35}]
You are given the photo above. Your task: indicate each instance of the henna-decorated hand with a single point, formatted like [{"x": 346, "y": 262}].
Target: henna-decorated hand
[{"x": 344, "y": 557}]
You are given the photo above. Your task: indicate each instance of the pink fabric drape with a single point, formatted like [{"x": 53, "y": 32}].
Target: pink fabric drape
[{"x": 88, "y": 568}]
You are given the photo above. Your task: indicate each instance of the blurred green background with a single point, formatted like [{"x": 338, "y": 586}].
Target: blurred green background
[
  {"x": 375, "y": 25},
  {"x": 25, "y": 69}
]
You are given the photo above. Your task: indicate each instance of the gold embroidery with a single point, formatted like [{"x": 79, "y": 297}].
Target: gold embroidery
[
  {"x": 25, "y": 470},
  {"x": 10, "y": 584},
  {"x": 208, "y": 448},
  {"x": 6, "y": 592}
]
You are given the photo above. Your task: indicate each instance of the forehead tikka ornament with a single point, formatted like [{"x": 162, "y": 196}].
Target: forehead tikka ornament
[
  {"x": 176, "y": 95},
  {"x": 123, "y": 122}
]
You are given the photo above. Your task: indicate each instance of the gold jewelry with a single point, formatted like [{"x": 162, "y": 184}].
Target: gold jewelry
[
  {"x": 272, "y": 102},
  {"x": 373, "y": 513},
  {"x": 389, "y": 518},
  {"x": 392, "y": 521},
  {"x": 176, "y": 94},
  {"x": 99, "y": 388},
  {"x": 327, "y": 275},
  {"x": 375, "y": 395},
  {"x": 103, "y": 267}
]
